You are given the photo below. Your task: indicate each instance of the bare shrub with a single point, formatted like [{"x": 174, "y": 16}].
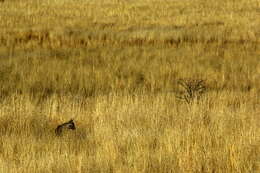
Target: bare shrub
[{"x": 192, "y": 89}]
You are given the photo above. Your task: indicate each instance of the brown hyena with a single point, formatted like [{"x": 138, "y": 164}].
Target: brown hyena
[{"x": 68, "y": 125}]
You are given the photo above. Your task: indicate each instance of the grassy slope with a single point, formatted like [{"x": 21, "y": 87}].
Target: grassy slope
[{"x": 113, "y": 66}]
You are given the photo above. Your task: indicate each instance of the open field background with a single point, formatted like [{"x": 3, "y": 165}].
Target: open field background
[{"x": 114, "y": 67}]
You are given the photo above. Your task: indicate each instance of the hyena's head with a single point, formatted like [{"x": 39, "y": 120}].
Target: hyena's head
[{"x": 70, "y": 125}]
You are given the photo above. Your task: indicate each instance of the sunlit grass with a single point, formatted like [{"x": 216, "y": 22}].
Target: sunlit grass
[{"x": 113, "y": 66}]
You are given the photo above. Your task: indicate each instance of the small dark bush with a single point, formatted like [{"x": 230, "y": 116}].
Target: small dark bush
[{"x": 192, "y": 89}]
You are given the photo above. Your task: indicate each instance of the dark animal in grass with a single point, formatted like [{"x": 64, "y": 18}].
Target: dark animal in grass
[{"x": 68, "y": 125}]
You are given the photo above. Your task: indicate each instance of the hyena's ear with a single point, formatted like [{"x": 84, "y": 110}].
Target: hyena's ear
[{"x": 71, "y": 121}]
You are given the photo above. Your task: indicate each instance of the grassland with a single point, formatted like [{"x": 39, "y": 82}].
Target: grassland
[{"x": 114, "y": 67}]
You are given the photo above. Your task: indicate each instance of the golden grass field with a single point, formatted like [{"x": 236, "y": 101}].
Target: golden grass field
[{"x": 115, "y": 67}]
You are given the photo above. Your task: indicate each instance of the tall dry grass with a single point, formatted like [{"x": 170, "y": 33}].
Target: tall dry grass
[
  {"x": 114, "y": 66},
  {"x": 131, "y": 133}
]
